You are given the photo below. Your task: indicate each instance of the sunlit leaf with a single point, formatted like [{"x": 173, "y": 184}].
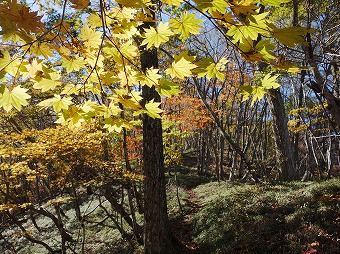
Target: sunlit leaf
[
  {"x": 57, "y": 103},
  {"x": 274, "y": 2},
  {"x": 268, "y": 82},
  {"x": 155, "y": 37},
  {"x": 180, "y": 69},
  {"x": 17, "y": 98},
  {"x": 187, "y": 24},
  {"x": 90, "y": 37}
]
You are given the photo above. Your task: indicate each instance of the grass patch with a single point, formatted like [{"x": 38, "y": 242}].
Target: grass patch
[
  {"x": 282, "y": 218},
  {"x": 176, "y": 201}
]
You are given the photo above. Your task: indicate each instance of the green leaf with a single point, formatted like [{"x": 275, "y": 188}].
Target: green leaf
[
  {"x": 15, "y": 98},
  {"x": 265, "y": 47},
  {"x": 246, "y": 91},
  {"x": 155, "y": 37},
  {"x": 2, "y": 88},
  {"x": 187, "y": 24}
]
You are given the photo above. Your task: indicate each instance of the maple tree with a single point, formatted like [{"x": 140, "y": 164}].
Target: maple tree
[{"x": 91, "y": 62}]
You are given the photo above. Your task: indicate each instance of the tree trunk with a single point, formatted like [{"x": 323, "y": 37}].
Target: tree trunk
[
  {"x": 282, "y": 141},
  {"x": 157, "y": 233}
]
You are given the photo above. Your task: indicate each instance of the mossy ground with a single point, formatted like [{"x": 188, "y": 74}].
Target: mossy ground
[{"x": 282, "y": 218}]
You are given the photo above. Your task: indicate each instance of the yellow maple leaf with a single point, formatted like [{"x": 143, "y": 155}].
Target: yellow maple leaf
[
  {"x": 180, "y": 69},
  {"x": 34, "y": 67},
  {"x": 151, "y": 108},
  {"x": 57, "y": 103},
  {"x": 73, "y": 64},
  {"x": 150, "y": 78},
  {"x": 173, "y": 2},
  {"x": 187, "y": 24},
  {"x": 155, "y": 37},
  {"x": 46, "y": 84},
  {"x": 5, "y": 59},
  {"x": 40, "y": 49},
  {"x": 244, "y": 6},
  {"x": 91, "y": 38},
  {"x": 122, "y": 53},
  {"x": 15, "y": 98}
]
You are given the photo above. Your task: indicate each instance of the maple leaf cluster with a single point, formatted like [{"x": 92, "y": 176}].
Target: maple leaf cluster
[{"x": 97, "y": 58}]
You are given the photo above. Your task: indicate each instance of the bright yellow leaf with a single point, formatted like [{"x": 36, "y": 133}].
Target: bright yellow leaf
[
  {"x": 173, "y": 2},
  {"x": 57, "y": 103},
  {"x": 187, "y": 24},
  {"x": 5, "y": 59},
  {"x": 74, "y": 64},
  {"x": 15, "y": 98},
  {"x": 46, "y": 84},
  {"x": 274, "y": 2},
  {"x": 155, "y": 37},
  {"x": 180, "y": 69},
  {"x": 150, "y": 78},
  {"x": 268, "y": 82},
  {"x": 91, "y": 38}
]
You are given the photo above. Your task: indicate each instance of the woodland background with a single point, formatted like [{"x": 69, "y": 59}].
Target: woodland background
[{"x": 169, "y": 126}]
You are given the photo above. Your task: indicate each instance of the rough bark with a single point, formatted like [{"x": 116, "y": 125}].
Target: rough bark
[
  {"x": 283, "y": 145},
  {"x": 157, "y": 233}
]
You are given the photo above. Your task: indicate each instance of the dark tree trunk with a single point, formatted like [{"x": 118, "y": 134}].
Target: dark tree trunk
[{"x": 158, "y": 237}]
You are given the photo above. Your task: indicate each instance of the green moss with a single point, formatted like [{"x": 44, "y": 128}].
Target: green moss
[{"x": 282, "y": 218}]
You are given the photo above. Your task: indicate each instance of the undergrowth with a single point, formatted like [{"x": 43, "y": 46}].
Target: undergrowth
[{"x": 284, "y": 218}]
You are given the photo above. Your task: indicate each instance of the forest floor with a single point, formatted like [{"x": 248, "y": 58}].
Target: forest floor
[
  {"x": 224, "y": 217},
  {"x": 182, "y": 225},
  {"x": 217, "y": 218}
]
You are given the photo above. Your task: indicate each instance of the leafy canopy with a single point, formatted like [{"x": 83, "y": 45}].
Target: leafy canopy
[{"x": 86, "y": 62}]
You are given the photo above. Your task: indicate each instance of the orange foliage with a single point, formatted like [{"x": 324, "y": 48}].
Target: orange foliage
[{"x": 188, "y": 111}]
